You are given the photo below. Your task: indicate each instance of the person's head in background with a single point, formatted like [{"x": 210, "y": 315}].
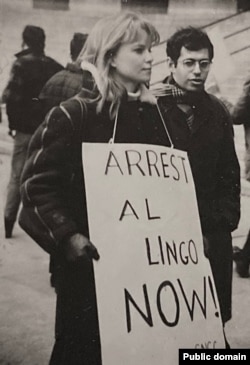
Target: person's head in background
[
  {"x": 190, "y": 53},
  {"x": 34, "y": 38},
  {"x": 76, "y": 44},
  {"x": 119, "y": 47}
]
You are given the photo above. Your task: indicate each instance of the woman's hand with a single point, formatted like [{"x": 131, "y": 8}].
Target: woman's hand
[{"x": 79, "y": 247}]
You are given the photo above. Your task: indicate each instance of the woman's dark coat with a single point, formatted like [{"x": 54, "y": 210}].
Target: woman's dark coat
[
  {"x": 55, "y": 208},
  {"x": 52, "y": 182}
]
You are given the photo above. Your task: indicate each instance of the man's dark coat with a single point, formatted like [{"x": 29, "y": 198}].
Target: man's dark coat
[{"x": 216, "y": 173}]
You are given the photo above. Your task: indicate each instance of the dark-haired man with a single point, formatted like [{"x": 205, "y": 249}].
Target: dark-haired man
[
  {"x": 29, "y": 73},
  {"x": 200, "y": 124}
]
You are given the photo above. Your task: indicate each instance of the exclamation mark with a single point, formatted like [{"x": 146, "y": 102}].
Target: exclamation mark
[{"x": 213, "y": 296}]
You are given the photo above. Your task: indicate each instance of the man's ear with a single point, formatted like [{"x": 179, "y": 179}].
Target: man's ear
[{"x": 171, "y": 64}]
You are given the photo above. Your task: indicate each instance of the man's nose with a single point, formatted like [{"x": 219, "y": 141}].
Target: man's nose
[{"x": 197, "y": 68}]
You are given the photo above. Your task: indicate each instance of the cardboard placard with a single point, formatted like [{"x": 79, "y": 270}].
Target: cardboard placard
[{"x": 155, "y": 290}]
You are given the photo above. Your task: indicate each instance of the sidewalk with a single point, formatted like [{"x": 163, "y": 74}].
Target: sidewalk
[{"x": 27, "y": 301}]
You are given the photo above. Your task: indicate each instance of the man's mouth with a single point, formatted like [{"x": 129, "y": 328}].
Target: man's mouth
[{"x": 197, "y": 81}]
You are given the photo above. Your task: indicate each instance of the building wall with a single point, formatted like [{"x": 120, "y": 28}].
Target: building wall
[
  {"x": 83, "y": 14},
  {"x": 204, "y": 5}
]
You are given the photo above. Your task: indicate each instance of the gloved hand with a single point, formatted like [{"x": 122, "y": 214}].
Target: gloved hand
[
  {"x": 206, "y": 246},
  {"x": 79, "y": 247},
  {"x": 12, "y": 133}
]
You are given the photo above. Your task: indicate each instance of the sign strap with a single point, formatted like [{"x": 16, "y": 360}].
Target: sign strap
[
  {"x": 112, "y": 139},
  {"x": 165, "y": 127}
]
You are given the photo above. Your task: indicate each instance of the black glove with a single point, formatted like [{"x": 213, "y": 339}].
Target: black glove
[
  {"x": 206, "y": 246},
  {"x": 12, "y": 133}
]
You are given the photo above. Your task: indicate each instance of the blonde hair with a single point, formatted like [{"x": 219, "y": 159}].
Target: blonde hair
[{"x": 102, "y": 44}]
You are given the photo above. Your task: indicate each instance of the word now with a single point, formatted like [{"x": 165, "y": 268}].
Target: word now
[{"x": 169, "y": 292}]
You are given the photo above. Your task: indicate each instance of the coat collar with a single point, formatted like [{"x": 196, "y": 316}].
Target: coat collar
[
  {"x": 191, "y": 98},
  {"x": 74, "y": 67},
  {"x": 200, "y": 102},
  {"x": 26, "y": 52}
]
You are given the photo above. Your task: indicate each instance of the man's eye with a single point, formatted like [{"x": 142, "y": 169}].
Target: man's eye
[
  {"x": 189, "y": 63},
  {"x": 205, "y": 64}
]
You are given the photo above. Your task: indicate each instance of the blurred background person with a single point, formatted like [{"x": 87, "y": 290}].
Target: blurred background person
[
  {"x": 241, "y": 115},
  {"x": 66, "y": 83},
  {"x": 29, "y": 73}
]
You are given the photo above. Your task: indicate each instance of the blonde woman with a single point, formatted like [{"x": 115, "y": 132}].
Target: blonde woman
[{"x": 113, "y": 104}]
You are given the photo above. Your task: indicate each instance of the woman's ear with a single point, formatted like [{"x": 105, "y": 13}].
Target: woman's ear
[
  {"x": 112, "y": 61},
  {"x": 110, "y": 58}
]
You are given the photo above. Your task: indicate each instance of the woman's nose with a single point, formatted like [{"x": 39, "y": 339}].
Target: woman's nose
[{"x": 149, "y": 56}]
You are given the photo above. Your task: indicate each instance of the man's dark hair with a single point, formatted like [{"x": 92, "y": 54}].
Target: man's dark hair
[
  {"x": 34, "y": 37},
  {"x": 77, "y": 44},
  {"x": 192, "y": 39}
]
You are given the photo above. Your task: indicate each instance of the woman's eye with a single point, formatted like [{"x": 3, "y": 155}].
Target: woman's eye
[{"x": 139, "y": 50}]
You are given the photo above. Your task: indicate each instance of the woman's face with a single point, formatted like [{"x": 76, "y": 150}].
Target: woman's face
[{"x": 132, "y": 63}]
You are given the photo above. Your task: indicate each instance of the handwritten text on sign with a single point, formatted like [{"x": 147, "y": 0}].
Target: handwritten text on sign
[{"x": 155, "y": 290}]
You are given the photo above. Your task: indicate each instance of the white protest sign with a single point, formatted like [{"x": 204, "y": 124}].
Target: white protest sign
[{"x": 155, "y": 291}]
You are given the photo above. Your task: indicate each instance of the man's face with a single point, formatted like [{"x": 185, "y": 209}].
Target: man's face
[{"x": 191, "y": 70}]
